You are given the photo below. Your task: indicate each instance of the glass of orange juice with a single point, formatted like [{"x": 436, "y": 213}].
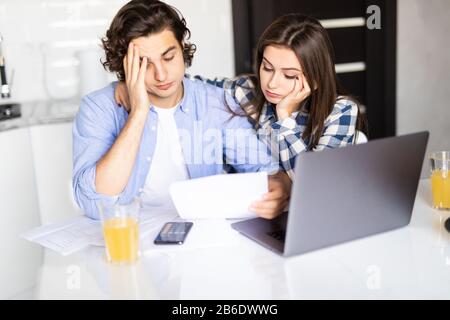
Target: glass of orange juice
[
  {"x": 440, "y": 179},
  {"x": 120, "y": 224}
]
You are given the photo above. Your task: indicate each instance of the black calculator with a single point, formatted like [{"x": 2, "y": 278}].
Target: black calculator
[{"x": 173, "y": 233}]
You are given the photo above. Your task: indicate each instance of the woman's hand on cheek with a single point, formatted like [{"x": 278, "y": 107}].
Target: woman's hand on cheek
[{"x": 292, "y": 101}]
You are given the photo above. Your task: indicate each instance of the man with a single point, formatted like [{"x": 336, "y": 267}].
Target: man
[{"x": 167, "y": 134}]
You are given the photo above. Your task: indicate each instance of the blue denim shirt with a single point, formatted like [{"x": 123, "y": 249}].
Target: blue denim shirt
[{"x": 212, "y": 139}]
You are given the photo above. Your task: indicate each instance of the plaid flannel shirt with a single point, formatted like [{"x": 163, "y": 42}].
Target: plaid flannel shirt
[{"x": 285, "y": 136}]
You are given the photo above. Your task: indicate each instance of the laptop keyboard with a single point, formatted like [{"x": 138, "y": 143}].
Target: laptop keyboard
[{"x": 280, "y": 235}]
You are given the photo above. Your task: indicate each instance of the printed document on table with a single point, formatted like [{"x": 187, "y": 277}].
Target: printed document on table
[
  {"x": 73, "y": 235},
  {"x": 67, "y": 237}
]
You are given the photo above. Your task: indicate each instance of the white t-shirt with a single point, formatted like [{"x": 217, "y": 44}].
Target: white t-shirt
[{"x": 168, "y": 164}]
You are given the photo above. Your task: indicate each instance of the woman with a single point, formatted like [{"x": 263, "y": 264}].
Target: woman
[{"x": 293, "y": 99}]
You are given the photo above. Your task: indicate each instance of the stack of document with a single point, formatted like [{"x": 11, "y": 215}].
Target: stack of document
[
  {"x": 67, "y": 237},
  {"x": 73, "y": 235}
]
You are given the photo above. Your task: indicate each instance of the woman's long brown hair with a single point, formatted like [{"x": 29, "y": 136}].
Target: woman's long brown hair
[{"x": 312, "y": 46}]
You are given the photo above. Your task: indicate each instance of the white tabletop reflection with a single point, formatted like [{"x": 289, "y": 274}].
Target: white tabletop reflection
[{"x": 408, "y": 263}]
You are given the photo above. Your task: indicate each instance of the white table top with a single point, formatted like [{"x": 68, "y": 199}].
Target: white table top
[{"x": 411, "y": 262}]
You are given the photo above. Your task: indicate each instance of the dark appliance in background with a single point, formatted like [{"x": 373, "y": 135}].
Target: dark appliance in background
[{"x": 8, "y": 110}]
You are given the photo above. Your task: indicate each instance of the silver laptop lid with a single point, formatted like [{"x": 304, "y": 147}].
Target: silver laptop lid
[{"x": 353, "y": 192}]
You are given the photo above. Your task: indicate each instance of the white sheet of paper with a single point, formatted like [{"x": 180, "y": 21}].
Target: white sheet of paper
[
  {"x": 152, "y": 220},
  {"x": 66, "y": 237},
  {"x": 219, "y": 196},
  {"x": 205, "y": 233},
  {"x": 76, "y": 234}
]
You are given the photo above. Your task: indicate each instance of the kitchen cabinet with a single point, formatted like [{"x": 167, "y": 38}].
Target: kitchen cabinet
[{"x": 19, "y": 210}]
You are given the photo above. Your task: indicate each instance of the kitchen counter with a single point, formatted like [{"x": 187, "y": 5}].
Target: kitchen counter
[{"x": 42, "y": 112}]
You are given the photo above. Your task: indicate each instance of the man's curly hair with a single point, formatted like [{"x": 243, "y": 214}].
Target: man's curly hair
[{"x": 140, "y": 18}]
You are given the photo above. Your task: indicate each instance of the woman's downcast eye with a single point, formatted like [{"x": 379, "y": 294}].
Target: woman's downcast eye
[{"x": 289, "y": 77}]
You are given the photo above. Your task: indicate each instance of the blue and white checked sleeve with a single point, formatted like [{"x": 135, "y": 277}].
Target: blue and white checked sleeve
[
  {"x": 339, "y": 131},
  {"x": 339, "y": 127},
  {"x": 240, "y": 88}
]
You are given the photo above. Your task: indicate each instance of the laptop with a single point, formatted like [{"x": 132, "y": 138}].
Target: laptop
[{"x": 345, "y": 194}]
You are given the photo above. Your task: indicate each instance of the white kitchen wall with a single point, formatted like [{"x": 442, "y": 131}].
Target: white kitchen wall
[
  {"x": 43, "y": 38},
  {"x": 211, "y": 25},
  {"x": 423, "y": 70}
]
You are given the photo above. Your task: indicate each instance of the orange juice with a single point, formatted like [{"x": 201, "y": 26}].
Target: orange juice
[
  {"x": 440, "y": 187},
  {"x": 121, "y": 239}
]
